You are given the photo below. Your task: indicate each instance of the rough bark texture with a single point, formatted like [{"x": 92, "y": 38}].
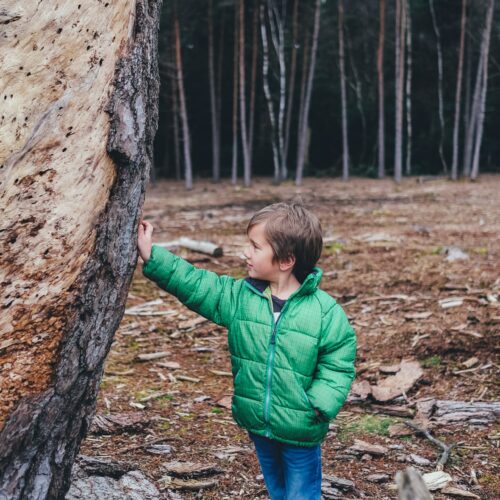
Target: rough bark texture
[{"x": 76, "y": 137}]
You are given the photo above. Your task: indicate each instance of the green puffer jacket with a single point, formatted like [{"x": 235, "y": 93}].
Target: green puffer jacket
[{"x": 281, "y": 371}]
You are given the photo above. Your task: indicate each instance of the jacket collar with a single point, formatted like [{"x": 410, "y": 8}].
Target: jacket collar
[{"x": 308, "y": 286}]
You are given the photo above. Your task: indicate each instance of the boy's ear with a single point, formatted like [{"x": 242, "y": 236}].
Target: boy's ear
[{"x": 288, "y": 263}]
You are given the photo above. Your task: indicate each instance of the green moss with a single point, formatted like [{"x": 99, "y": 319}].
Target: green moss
[
  {"x": 431, "y": 362},
  {"x": 367, "y": 424},
  {"x": 334, "y": 247},
  {"x": 480, "y": 250},
  {"x": 216, "y": 410}
]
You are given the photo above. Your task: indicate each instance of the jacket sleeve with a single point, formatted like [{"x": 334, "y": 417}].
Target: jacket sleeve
[
  {"x": 335, "y": 369},
  {"x": 204, "y": 292}
]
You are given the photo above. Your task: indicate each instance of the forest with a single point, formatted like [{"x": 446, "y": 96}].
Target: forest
[
  {"x": 188, "y": 118},
  {"x": 328, "y": 88}
]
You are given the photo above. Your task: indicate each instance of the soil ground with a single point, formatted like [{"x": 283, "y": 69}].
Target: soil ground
[{"x": 382, "y": 240}]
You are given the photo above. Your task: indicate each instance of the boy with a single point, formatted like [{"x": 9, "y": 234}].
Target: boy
[{"x": 292, "y": 348}]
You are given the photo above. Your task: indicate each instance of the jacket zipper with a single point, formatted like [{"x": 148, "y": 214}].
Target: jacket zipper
[{"x": 272, "y": 350}]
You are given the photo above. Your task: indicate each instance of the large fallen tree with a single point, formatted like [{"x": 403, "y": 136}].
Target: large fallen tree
[{"x": 79, "y": 93}]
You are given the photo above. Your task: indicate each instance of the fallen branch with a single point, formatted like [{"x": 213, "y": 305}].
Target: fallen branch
[
  {"x": 446, "y": 449},
  {"x": 205, "y": 247}
]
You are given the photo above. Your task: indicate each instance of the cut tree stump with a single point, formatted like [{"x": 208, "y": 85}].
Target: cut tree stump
[
  {"x": 411, "y": 486},
  {"x": 76, "y": 140}
]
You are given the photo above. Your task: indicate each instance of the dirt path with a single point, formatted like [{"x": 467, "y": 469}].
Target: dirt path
[{"x": 384, "y": 261}]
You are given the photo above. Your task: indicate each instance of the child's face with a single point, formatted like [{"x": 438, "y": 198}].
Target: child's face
[{"x": 259, "y": 255}]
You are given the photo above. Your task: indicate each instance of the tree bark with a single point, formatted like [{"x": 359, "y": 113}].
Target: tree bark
[
  {"x": 73, "y": 182},
  {"x": 307, "y": 100},
  {"x": 186, "y": 139},
  {"x": 253, "y": 79},
  {"x": 234, "y": 163},
  {"x": 243, "y": 103},
  {"x": 213, "y": 101},
  {"x": 485, "y": 49},
  {"x": 400, "y": 49},
  {"x": 409, "y": 67},
  {"x": 267, "y": 94},
  {"x": 343, "y": 97},
  {"x": 440, "y": 85},
  {"x": 175, "y": 111},
  {"x": 380, "y": 74},
  {"x": 291, "y": 88},
  {"x": 456, "y": 124}
]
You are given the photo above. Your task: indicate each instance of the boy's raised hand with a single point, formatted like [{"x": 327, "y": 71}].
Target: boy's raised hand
[{"x": 145, "y": 239}]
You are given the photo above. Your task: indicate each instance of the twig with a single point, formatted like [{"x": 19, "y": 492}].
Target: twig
[
  {"x": 148, "y": 443},
  {"x": 446, "y": 449}
]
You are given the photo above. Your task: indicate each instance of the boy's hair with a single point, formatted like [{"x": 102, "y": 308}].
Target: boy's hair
[{"x": 291, "y": 230}]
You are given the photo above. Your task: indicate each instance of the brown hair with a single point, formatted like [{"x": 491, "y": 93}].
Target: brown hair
[{"x": 291, "y": 230}]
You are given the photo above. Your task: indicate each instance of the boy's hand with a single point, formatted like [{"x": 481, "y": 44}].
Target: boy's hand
[{"x": 145, "y": 240}]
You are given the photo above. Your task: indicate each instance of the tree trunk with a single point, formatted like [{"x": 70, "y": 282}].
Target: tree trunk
[
  {"x": 409, "y": 67},
  {"x": 357, "y": 86},
  {"x": 186, "y": 139},
  {"x": 400, "y": 43},
  {"x": 73, "y": 181},
  {"x": 467, "y": 97},
  {"x": 485, "y": 48},
  {"x": 440, "y": 85},
  {"x": 343, "y": 97},
  {"x": 307, "y": 99},
  {"x": 175, "y": 112},
  {"x": 213, "y": 103},
  {"x": 470, "y": 132},
  {"x": 380, "y": 74},
  {"x": 253, "y": 81},
  {"x": 218, "y": 94},
  {"x": 243, "y": 104},
  {"x": 234, "y": 163},
  {"x": 456, "y": 125},
  {"x": 303, "y": 84},
  {"x": 291, "y": 88},
  {"x": 267, "y": 94}
]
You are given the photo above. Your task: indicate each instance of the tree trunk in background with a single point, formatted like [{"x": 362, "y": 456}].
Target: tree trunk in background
[
  {"x": 303, "y": 139},
  {"x": 470, "y": 132},
  {"x": 234, "y": 163},
  {"x": 303, "y": 81},
  {"x": 291, "y": 88},
  {"x": 400, "y": 57},
  {"x": 188, "y": 168},
  {"x": 440, "y": 85},
  {"x": 467, "y": 97},
  {"x": 73, "y": 182},
  {"x": 485, "y": 49},
  {"x": 213, "y": 102},
  {"x": 243, "y": 104},
  {"x": 267, "y": 93},
  {"x": 358, "y": 90},
  {"x": 380, "y": 74},
  {"x": 253, "y": 81},
  {"x": 408, "y": 87},
  {"x": 218, "y": 94},
  {"x": 456, "y": 124},
  {"x": 343, "y": 97}
]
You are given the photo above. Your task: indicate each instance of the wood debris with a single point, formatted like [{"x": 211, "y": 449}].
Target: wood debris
[
  {"x": 191, "y": 323},
  {"x": 360, "y": 446},
  {"x": 399, "y": 384},
  {"x": 436, "y": 480},
  {"x": 151, "y": 356},
  {"x": 453, "y": 491},
  {"x": 191, "y": 469},
  {"x": 115, "y": 423}
]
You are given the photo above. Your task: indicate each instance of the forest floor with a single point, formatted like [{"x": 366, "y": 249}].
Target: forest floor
[{"x": 385, "y": 261}]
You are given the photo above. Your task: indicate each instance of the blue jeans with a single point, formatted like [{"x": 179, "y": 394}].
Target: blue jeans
[{"x": 290, "y": 472}]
